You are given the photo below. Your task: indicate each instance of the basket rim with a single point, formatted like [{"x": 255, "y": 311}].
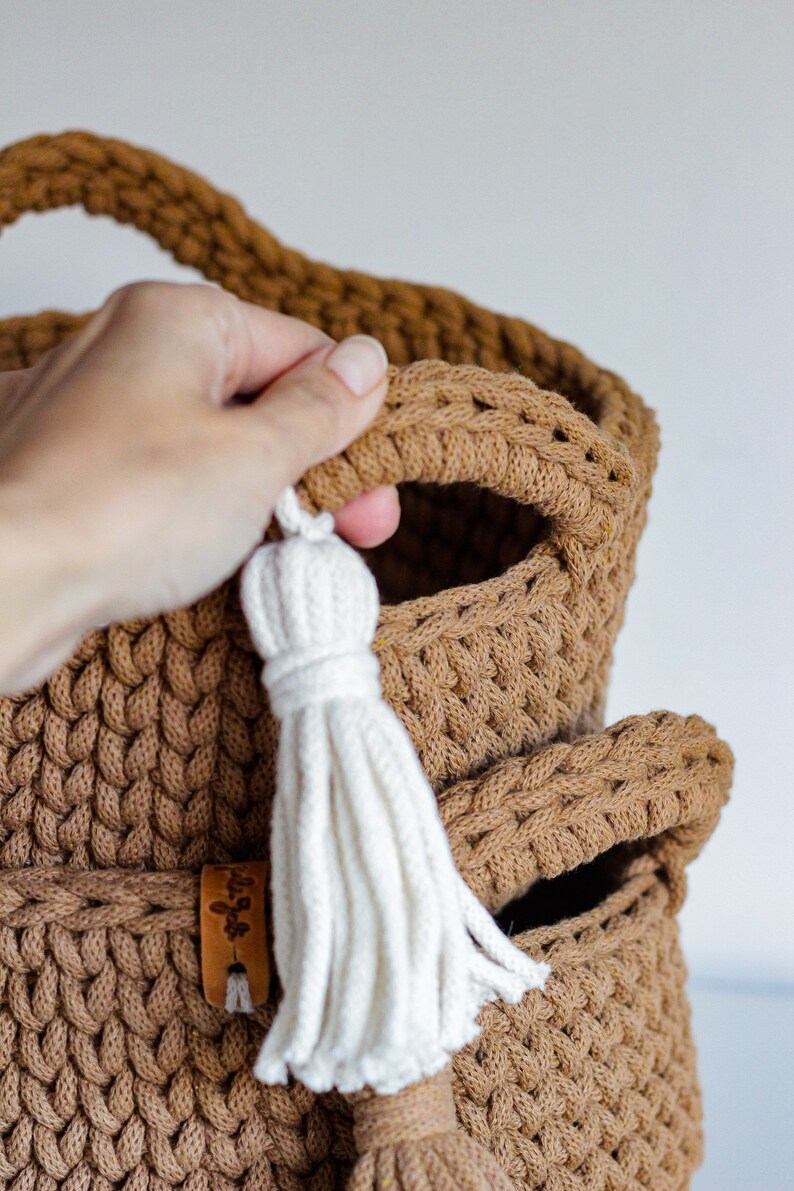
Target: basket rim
[
  {"x": 147, "y": 903},
  {"x": 541, "y": 557}
]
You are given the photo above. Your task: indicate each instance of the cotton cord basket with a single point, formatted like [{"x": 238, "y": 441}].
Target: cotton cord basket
[{"x": 151, "y": 755}]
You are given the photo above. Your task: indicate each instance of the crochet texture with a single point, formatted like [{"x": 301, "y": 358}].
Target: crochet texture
[{"x": 526, "y": 471}]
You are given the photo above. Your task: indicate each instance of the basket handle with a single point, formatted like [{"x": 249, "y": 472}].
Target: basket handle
[
  {"x": 197, "y": 224},
  {"x": 450, "y": 423},
  {"x": 442, "y": 423},
  {"x": 659, "y": 780}
]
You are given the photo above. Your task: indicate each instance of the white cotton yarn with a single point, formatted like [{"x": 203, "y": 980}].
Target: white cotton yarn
[
  {"x": 384, "y": 954},
  {"x": 238, "y": 993}
]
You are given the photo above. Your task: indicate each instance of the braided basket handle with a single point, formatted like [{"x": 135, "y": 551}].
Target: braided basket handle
[
  {"x": 442, "y": 423},
  {"x": 656, "y": 782},
  {"x": 197, "y": 224},
  {"x": 450, "y": 423}
]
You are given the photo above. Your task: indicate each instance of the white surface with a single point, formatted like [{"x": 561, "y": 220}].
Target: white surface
[
  {"x": 620, "y": 173},
  {"x": 745, "y": 1040}
]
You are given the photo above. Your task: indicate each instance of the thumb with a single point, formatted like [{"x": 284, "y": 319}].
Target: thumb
[{"x": 320, "y": 405}]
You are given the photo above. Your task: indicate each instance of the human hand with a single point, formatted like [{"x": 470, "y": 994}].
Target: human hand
[{"x": 140, "y": 461}]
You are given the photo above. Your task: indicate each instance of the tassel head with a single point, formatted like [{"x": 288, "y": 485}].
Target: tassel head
[
  {"x": 309, "y": 590},
  {"x": 312, "y": 607}
]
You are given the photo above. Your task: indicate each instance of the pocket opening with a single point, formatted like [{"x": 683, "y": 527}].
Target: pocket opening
[
  {"x": 452, "y": 535},
  {"x": 552, "y": 900}
]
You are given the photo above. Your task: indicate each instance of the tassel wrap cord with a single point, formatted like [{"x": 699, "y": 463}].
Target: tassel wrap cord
[{"x": 384, "y": 954}]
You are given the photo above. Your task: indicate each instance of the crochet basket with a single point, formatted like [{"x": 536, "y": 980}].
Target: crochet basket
[{"x": 525, "y": 472}]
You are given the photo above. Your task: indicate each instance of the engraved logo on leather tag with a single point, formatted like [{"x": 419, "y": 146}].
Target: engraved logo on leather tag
[{"x": 233, "y": 934}]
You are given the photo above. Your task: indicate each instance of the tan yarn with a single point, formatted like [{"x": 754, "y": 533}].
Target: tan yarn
[
  {"x": 411, "y": 1139},
  {"x": 526, "y": 473}
]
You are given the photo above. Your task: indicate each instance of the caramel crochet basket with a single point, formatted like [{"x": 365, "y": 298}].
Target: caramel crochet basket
[{"x": 525, "y": 472}]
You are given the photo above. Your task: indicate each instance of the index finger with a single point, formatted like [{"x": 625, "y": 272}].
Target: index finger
[
  {"x": 262, "y": 344},
  {"x": 246, "y": 348}
]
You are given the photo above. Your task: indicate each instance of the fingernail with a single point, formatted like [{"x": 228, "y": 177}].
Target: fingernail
[{"x": 359, "y": 361}]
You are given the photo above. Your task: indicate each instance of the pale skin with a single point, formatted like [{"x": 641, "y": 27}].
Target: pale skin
[{"x": 140, "y": 461}]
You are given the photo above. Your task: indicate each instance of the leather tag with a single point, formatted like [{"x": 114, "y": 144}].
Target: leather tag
[{"x": 233, "y": 934}]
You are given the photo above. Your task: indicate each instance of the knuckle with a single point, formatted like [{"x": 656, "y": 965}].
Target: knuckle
[
  {"x": 188, "y": 321},
  {"x": 133, "y": 295},
  {"x": 175, "y": 300}
]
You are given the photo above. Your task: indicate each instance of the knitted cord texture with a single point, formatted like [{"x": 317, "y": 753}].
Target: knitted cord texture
[{"x": 152, "y": 752}]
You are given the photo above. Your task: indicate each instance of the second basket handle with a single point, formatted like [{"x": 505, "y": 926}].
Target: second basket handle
[
  {"x": 657, "y": 780},
  {"x": 458, "y": 423},
  {"x": 197, "y": 224}
]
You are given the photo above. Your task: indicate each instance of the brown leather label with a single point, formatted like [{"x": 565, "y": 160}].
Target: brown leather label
[{"x": 233, "y": 934}]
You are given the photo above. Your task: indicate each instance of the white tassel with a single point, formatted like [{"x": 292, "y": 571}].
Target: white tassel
[{"x": 384, "y": 954}]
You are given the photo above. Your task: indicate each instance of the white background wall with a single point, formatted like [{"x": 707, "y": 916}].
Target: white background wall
[{"x": 619, "y": 172}]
